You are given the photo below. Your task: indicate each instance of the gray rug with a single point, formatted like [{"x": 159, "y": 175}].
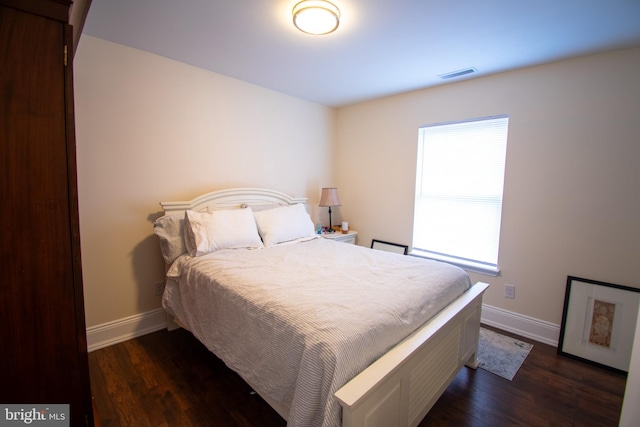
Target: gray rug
[{"x": 500, "y": 354}]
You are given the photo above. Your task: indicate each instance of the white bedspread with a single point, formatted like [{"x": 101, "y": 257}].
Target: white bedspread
[{"x": 299, "y": 321}]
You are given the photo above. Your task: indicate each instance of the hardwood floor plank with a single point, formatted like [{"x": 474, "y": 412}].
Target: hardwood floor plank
[
  {"x": 125, "y": 403},
  {"x": 169, "y": 379}
]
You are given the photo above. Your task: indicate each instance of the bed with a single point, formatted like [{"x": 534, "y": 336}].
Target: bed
[{"x": 326, "y": 332}]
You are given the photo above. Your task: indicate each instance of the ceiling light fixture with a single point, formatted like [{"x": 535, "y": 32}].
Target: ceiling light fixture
[{"x": 316, "y": 17}]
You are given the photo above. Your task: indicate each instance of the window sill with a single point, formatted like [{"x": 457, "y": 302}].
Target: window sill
[{"x": 465, "y": 265}]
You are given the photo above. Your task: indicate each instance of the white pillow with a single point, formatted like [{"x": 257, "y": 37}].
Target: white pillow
[
  {"x": 169, "y": 230},
  {"x": 284, "y": 224},
  {"x": 207, "y": 232}
]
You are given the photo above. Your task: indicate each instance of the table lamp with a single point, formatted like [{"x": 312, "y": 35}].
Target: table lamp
[{"x": 329, "y": 198}]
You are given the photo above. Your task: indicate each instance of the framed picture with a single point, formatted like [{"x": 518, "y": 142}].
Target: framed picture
[
  {"x": 599, "y": 323},
  {"x": 389, "y": 247}
]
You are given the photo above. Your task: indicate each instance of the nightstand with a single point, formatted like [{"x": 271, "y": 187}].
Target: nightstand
[{"x": 349, "y": 237}]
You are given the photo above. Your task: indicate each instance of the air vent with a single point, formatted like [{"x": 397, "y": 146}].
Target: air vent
[{"x": 458, "y": 73}]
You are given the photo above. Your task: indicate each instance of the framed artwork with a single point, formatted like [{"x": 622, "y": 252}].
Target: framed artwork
[
  {"x": 599, "y": 323},
  {"x": 389, "y": 247}
]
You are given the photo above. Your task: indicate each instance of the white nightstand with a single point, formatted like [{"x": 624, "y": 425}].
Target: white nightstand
[{"x": 349, "y": 237}]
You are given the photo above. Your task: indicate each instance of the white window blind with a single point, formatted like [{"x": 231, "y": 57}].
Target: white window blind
[{"x": 459, "y": 184}]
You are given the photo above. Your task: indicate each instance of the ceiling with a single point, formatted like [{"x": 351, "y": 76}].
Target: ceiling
[{"x": 382, "y": 47}]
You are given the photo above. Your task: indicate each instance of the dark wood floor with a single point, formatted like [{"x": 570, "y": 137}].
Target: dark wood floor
[{"x": 170, "y": 379}]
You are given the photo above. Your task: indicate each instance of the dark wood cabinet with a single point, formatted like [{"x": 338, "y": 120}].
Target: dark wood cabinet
[{"x": 43, "y": 356}]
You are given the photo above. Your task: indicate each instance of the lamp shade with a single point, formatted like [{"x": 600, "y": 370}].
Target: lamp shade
[{"x": 329, "y": 197}]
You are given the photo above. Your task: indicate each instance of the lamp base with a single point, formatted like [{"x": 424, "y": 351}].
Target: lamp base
[{"x": 330, "y": 224}]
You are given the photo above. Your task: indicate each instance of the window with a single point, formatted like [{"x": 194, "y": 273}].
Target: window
[{"x": 459, "y": 183}]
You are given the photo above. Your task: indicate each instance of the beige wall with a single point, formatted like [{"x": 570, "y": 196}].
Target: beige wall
[
  {"x": 572, "y": 184},
  {"x": 149, "y": 129}
]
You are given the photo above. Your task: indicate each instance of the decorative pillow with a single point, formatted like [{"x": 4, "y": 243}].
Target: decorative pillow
[
  {"x": 206, "y": 232},
  {"x": 169, "y": 230},
  {"x": 284, "y": 224}
]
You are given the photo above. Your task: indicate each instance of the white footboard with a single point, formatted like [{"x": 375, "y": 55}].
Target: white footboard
[{"x": 402, "y": 386}]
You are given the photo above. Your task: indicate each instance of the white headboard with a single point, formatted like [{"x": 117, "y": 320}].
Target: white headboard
[{"x": 233, "y": 198}]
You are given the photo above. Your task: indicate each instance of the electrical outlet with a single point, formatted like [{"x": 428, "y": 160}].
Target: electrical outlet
[
  {"x": 510, "y": 291},
  {"x": 159, "y": 286}
]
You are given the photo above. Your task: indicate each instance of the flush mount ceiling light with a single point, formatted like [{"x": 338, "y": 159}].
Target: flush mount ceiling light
[{"x": 316, "y": 17}]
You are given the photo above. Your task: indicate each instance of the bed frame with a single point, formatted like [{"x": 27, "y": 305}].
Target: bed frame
[{"x": 401, "y": 386}]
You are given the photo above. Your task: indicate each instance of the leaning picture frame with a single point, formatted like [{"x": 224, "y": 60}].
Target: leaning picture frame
[
  {"x": 389, "y": 247},
  {"x": 598, "y": 323}
]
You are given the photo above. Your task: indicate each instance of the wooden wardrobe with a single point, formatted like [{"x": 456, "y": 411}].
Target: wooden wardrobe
[{"x": 43, "y": 350}]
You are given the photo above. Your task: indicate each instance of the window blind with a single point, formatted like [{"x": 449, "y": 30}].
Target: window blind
[{"x": 459, "y": 189}]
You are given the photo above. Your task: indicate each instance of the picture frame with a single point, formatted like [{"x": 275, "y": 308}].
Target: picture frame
[
  {"x": 389, "y": 247},
  {"x": 598, "y": 323}
]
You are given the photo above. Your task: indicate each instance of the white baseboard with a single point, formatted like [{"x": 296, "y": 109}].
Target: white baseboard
[
  {"x": 125, "y": 329},
  {"x": 529, "y": 327},
  {"x": 141, "y": 324}
]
